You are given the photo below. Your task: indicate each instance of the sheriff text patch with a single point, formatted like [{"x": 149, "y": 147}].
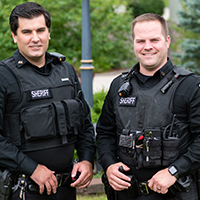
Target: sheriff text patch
[
  {"x": 127, "y": 101},
  {"x": 40, "y": 94}
]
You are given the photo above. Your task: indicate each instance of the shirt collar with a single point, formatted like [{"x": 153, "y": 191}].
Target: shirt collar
[
  {"x": 166, "y": 68},
  {"x": 162, "y": 72},
  {"x": 21, "y": 60}
]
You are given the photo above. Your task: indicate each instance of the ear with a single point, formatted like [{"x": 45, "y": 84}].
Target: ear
[
  {"x": 14, "y": 37},
  {"x": 168, "y": 41}
]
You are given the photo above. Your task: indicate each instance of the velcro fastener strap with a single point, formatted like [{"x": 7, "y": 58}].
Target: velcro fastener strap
[
  {"x": 61, "y": 120},
  {"x": 72, "y": 108},
  {"x": 141, "y": 115}
]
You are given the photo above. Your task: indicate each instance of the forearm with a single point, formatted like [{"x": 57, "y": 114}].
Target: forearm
[
  {"x": 13, "y": 159},
  {"x": 85, "y": 145}
]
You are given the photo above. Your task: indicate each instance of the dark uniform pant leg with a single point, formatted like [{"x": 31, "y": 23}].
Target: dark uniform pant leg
[
  {"x": 191, "y": 195},
  {"x": 155, "y": 196},
  {"x": 123, "y": 195},
  {"x": 63, "y": 193}
]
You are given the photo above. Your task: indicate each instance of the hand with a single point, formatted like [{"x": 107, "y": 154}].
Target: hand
[
  {"x": 45, "y": 178},
  {"x": 85, "y": 168},
  {"x": 117, "y": 179},
  {"x": 161, "y": 181}
]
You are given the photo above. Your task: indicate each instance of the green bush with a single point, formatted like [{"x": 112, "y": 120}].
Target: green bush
[
  {"x": 147, "y": 6},
  {"x": 98, "y": 100}
]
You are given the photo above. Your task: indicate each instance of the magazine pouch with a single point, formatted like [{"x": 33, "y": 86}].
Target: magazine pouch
[
  {"x": 152, "y": 152},
  {"x": 170, "y": 150},
  {"x": 74, "y": 112}
]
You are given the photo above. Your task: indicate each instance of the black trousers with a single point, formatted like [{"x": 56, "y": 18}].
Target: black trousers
[
  {"x": 191, "y": 195},
  {"x": 63, "y": 193}
]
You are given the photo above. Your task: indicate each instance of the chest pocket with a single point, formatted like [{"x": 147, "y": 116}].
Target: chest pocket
[
  {"x": 48, "y": 120},
  {"x": 38, "y": 122}
]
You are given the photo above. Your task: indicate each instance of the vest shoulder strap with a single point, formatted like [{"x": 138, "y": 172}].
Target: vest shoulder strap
[{"x": 182, "y": 71}]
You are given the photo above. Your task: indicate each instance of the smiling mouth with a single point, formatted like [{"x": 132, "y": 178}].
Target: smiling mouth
[
  {"x": 148, "y": 54},
  {"x": 35, "y": 47}
]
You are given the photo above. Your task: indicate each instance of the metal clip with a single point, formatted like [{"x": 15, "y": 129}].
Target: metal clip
[{"x": 144, "y": 188}]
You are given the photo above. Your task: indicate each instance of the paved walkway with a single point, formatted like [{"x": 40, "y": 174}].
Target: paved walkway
[
  {"x": 103, "y": 80},
  {"x": 95, "y": 187}
]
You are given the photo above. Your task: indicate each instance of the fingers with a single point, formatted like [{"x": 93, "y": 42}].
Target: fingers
[
  {"x": 45, "y": 178},
  {"x": 161, "y": 181},
  {"x": 118, "y": 180},
  {"x": 41, "y": 189},
  {"x": 50, "y": 184},
  {"x": 159, "y": 189},
  {"x": 86, "y": 173},
  {"x": 53, "y": 184},
  {"x": 83, "y": 180}
]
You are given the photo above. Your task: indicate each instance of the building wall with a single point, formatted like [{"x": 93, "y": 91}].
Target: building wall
[{"x": 174, "y": 7}]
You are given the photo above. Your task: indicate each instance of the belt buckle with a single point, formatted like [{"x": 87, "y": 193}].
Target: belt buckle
[
  {"x": 144, "y": 188},
  {"x": 59, "y": 179}
]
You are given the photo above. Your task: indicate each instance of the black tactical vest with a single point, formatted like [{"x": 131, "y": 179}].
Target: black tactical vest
[
  {"x": 149, "y": 134},
  {"x": 48, "y": 114}
]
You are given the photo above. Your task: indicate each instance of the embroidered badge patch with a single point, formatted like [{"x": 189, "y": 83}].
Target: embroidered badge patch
[
  {"x": 40, "y": 94},
  {"x": 127, "y": 101}
]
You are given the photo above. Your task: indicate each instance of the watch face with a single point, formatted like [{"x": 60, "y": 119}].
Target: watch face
[{"x": 172, "y": 170}]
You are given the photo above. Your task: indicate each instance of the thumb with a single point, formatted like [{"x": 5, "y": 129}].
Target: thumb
[
  {"x": 125, "y": 167},
  {"x": 74, "y": 171}
]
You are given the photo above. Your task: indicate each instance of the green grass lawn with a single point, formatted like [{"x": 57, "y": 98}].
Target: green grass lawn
[{"x": 92, "y": 197}]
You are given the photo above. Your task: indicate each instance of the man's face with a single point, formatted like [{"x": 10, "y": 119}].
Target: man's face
[
  {"x": 150, "y": 46},
  {"x": 33, "y": 39}
]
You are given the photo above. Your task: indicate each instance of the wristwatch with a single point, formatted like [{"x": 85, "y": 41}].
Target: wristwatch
[{"x": 173, "y": 171}]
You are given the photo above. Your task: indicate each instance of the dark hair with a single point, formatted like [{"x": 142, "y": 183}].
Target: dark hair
[
  {"x": 151, "y": 17},
  {"x": 28, "y": 10}
]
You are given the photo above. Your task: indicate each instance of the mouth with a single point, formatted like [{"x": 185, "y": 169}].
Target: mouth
[
  {"x": 36, "y": 47},
  {"x": 148, "y": 54}
]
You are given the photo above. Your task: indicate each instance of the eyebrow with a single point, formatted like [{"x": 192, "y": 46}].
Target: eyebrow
[
  {"x": 27, "y": 30},
  {"x": 155, "y": 38}
]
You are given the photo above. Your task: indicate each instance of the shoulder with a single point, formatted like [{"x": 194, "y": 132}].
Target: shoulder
[
  {"x": 189, "y": 87},
  {"x": 6, "y": 76},
  {"x": 114, "y": 87},
  {"x": 60, "y": 59},
  {"x": 115, "y": 82}
]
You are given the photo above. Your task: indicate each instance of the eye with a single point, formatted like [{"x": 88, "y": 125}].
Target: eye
[
  {"x": 41, "y": 30},
  {"x": 26, "y": 31},
  {"x": 140, "y": 41},
  {"x": 155, "y": 40}
]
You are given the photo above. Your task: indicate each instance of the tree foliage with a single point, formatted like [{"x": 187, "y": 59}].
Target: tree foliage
[
  {"x": 110, "y": 32},
  {"x": 143, "y": 6},
  {"x": 190, "y": 21}
]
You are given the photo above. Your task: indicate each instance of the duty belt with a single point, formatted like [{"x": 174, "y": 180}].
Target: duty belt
[
  {"x": 141, "y": 188},
  {"x": 28, "y": 185}
]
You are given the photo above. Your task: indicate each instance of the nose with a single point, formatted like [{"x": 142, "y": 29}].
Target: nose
[
  {"x": 35, "y": 37},
  {"x": 148, "y": 45}
]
